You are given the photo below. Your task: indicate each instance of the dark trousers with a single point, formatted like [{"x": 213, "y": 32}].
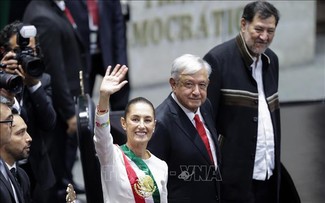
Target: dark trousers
[
  {"x": 261, "y": 192},
  {"x": 264, "y": 191}
]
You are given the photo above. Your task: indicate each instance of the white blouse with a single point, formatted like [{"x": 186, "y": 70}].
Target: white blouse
[{"x": 115, "y": 183}]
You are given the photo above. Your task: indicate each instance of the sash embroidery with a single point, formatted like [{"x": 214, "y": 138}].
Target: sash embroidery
[{"x": 143, "y": 186}]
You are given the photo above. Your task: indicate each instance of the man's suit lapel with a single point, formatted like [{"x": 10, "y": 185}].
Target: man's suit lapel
[
  {"x": 16, "y": 186},
  {"x": 14, "y": 183},
  {"x": 184, "y": 123},
  {"x": 6, "y": 183}
]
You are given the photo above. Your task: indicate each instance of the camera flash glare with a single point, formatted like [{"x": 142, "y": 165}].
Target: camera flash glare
[{"x": 28, "y": 31}]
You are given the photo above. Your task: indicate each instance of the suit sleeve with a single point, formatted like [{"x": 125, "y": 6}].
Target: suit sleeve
[{"x": 43, "y": 106}]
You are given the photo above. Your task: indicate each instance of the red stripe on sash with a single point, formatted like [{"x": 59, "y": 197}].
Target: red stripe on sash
[{"x": 133, "y": 178}]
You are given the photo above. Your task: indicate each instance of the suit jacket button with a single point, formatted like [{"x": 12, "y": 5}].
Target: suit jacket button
[{"x": 255, "y": 119}]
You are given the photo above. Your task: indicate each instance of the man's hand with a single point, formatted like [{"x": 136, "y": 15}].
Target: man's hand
[
  {"x": 72, "y": 125},
  {"x": 10, "y": 64}
]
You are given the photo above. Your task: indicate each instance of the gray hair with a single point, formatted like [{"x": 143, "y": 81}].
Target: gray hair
[{"x": 188, "y": 64}]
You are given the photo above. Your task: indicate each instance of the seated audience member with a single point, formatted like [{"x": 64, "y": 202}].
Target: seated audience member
[{"x": 17, "y": 149}]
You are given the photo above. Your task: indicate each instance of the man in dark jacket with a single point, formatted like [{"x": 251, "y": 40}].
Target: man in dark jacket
[
  {"x": 190, "y": 153},
  {"x": 102, "y": 27},
  {"x": 244, "y": 93}
]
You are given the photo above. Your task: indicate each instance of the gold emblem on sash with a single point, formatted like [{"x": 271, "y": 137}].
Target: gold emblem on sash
[{"x": 145, "y": 186}]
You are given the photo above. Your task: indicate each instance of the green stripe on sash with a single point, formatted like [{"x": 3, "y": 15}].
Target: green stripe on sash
[{"x": 143, "y": 166}]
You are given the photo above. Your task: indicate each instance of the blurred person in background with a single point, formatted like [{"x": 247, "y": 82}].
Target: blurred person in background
[
  {"x": 102, "y": 26},
  {"x": 63, "y": 52}
]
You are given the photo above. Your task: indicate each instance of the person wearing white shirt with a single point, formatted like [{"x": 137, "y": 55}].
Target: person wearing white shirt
[{"x": 129, "y": 173}]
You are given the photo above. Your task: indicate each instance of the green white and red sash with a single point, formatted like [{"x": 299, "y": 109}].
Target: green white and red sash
[{"x": 133, "y": 178}]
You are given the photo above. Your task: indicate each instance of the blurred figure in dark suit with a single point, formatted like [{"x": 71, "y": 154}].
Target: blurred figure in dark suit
[{"x": 103, "y": 29}]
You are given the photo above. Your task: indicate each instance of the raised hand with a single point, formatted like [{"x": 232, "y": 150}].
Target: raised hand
[{"x": 111, "y": 83}]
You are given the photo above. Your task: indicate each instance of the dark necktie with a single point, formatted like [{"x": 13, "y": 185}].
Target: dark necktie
[
  {"x": 201, "y": 130},
  {"x": 14, "y": 173}
]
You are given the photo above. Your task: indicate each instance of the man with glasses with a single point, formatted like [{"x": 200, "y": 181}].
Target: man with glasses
[
  {"x": 9, "y": 190},
  {"x": 16, "y": 149},
  {"x": 185, "y": 136}
]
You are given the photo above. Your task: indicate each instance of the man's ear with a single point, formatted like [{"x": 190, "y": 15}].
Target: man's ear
[
  {"x": 243, "y": 23},
  {"x": 172, "y": 83}
]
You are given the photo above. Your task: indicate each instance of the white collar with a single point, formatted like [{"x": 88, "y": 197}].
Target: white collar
[{"x": 60, "y": 4}]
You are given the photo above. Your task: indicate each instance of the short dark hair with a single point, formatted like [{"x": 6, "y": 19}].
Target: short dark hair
[
  {"x": 263, "y": 9},
  {"x": 138, "y": 100},
  {"x": 7, "y": 32},
  {"x": 11, "y": 29}
]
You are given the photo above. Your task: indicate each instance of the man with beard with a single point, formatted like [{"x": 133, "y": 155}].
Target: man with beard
[{"x": 18, "y": 149}]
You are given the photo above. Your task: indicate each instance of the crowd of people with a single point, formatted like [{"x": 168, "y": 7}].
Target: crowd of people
[{"x": 215, "y": 138}]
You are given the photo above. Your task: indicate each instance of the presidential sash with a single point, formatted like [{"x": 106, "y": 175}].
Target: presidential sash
[{"x": 141, "y": 187}]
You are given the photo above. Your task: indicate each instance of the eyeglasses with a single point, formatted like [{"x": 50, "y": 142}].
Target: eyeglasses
[
  {"x": 10, "y": 120},
  {"x": 191, "y": 85},
  {"x": 7, "y": 121}
]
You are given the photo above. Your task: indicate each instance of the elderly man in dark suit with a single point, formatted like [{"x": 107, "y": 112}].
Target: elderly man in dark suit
[
  {"x": 62, "y": 48},
  {"x": 188, "y": 146}
]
